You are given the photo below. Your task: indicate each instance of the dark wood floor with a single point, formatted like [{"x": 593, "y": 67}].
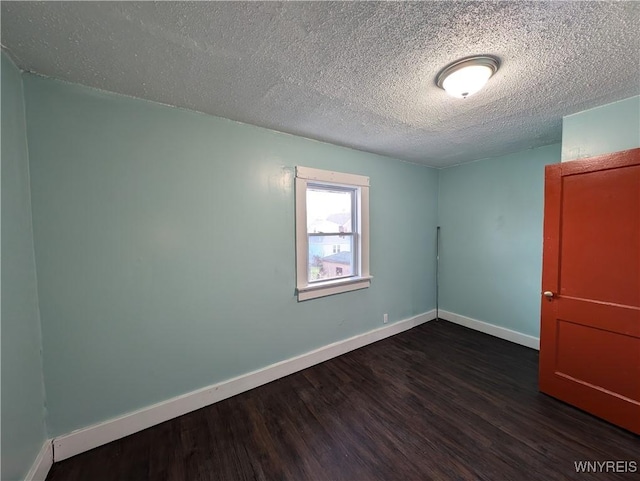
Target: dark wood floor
[{"x": 438, "y": 402}]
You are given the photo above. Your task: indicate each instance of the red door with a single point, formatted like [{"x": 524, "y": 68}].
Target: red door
[{"x": 590, "y": 329}]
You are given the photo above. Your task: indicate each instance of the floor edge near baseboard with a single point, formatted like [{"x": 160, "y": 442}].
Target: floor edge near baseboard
[
  {"x": 491, "y": 329},
  {"x": 84, "y": 439}
]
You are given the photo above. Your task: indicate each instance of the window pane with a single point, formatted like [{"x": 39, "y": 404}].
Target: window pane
[
  {"x": 329, "y": 211},
  {"x": 330, "y": 257}
]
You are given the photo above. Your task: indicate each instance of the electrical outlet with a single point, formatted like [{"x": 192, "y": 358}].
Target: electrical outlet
[{"x": 385, "y": 318}]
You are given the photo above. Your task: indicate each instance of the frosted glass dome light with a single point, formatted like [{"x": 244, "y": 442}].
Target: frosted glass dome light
[{"x": 467, "y": 76}]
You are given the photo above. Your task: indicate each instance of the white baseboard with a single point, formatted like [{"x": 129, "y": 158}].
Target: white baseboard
[
  {"x": 96, "y": 435},
  {"x": 492, "y": 329},
  {"x": 42, "y": 463}
]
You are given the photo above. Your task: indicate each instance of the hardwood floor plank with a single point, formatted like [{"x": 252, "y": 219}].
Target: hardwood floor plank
[{"x": 438, "y": 402}]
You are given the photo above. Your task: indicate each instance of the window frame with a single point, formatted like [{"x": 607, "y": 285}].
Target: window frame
[{"x": 362, "y": 278}]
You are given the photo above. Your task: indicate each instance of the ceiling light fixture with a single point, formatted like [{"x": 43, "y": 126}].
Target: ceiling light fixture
[{"x": 467, "y": 76}]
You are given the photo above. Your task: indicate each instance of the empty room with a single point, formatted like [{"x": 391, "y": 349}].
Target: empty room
[{"x": 331, "y": 241}]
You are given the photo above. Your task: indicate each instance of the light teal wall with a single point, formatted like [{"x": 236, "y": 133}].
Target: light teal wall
[
  {"x": 165, "y": 249},
  {"x": 602, "y": 130},
  {"x": 490, "y": 213},
  {"x": 23, "y": 415}
]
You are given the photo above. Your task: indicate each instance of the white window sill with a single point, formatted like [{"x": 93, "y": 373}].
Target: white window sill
[{"x": 329, "y": 288}]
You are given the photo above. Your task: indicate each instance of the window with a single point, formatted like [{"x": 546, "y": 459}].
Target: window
[{"x": 332, "y": 232}]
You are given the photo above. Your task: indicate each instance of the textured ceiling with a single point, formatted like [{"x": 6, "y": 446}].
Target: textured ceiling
[{"x": 356, "y": 74}]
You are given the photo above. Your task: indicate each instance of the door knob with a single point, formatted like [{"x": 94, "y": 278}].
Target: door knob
[{"x": 548, "y": 294}]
